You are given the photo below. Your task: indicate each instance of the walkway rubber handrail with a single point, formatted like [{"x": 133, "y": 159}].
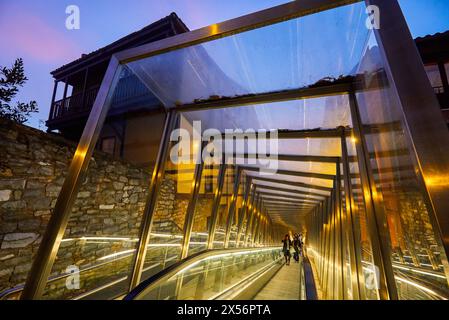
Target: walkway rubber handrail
[
  {"x": 309, "y": 280},
  {"x": 182, "y": 264}
]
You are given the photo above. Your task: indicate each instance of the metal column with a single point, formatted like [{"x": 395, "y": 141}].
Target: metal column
[
  {"x": 45, "y": 257},
  {"x": 216, "y": 206},
  {"x": 348, "y": 221},
  {"x": 376, "y": 218},
  {"x": 190, "y": 214},
  {"x": 231, "y": 211}
]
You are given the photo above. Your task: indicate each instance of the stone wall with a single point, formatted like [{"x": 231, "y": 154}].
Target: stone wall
[
  {"x": 33, "y": 166},
  {"x": 105, "y": 218}
]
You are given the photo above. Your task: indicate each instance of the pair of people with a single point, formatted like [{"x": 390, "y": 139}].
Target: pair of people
[{"x": 297, "y": 246}]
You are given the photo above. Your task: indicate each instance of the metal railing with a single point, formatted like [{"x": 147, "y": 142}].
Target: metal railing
[{"x": 74, "y": 104}]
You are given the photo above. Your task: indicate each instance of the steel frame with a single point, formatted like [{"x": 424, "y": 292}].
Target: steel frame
[{"x": 403, "y": 65}]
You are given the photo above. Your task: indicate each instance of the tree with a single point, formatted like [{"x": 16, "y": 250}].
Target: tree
[{"x": 11, "y": 79}]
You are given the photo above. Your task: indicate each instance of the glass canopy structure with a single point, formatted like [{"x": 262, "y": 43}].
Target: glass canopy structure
[{"x": 362, "y": 158}]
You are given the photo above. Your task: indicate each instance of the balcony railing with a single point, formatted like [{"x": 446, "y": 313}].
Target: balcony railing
[
  {"x": 438, "y": 90},
  {"x": 74, "y": 104},
  {"x": 130, "y": 91},
  {"x": 443, "y": 97}
]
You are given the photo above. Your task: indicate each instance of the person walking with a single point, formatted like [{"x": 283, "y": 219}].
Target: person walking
[
  {"x": 301, "y": 244},
  {"x": 296, "y": 246},
  {"x": 287, "y": 243}
]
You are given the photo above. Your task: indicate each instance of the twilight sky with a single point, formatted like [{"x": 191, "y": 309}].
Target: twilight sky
[{"x": 35, "y": 30}]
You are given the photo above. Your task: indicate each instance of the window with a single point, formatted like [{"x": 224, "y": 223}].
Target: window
[
  {"x": 434, "y": 77},
  {"x": 108, "y": 145}
]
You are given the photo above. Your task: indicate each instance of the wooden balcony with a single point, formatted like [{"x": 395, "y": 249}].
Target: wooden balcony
[
  {"x": 130, "y": 94},
  {"x": 77, "y": 104}
]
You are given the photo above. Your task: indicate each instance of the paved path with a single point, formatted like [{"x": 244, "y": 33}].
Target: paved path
[{"x": 283, "y": 286}]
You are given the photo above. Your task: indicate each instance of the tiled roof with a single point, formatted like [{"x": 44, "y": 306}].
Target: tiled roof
[{"x": 433, "y": 36}]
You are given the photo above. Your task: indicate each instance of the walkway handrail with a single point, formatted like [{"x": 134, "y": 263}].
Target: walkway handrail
[
  {"x": 309, "y": 280},
  {"x": 162, "y": 277}
]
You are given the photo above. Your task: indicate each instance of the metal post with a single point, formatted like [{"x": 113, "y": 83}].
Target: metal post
[
  {"x": 242, "y": 216},
  {"x": 251, "y": 218},
  {"x": 216, "y": 206},
  {"x": 256, "y": 221},
  {"x": 190, "y": 213},
  {"x": 424, "y": 127},
  {"x": 348, "y": 220},
  {"x": 333, "y": 250},
  {"x": 153, "y": 192},
  {"x": 231, "y": 211},
  {"x": 376, "y": 219},
  {"x": 53, "y": 97},
  {"x": 43, "y": 262},
  {"x": 340, "y": 242},
  {"x": 324, "y": 236},
  {"x": 326, "y": 246},
  {"x": 83, "y": 101},
  {"x": 64, "y": 96}
]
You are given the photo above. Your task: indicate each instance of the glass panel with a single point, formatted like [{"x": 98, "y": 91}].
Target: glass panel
[
  {"x": 361, "y": 233},
  {"x": 417, "y": 254},
  {"x": 213, "y": 277},
  {"x": 324, "y": 113},
  {"x": 167, "y": 232},
  {"x": 203, "y": 209},
  {"x": 207, "y": 70},
  {"x": 346, "y": 238},
  {"x": 237, "y": 212},
  {"x": 329, "y": 147},
  {"x": 103, "y": 229}
]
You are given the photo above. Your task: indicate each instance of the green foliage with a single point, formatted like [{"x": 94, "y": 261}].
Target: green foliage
[{"x": 11, "y": 79}]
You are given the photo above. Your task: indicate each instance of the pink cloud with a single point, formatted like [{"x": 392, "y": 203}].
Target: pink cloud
[{"x": 29, "y": 35}]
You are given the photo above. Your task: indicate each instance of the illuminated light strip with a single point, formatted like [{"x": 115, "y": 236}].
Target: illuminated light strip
[
  {"x": 223, "y": 255},
  {"x": 153, "y": 245},
  {"x": 113, "y": 255},
  {"x": 416, "y": 285},
  {"x": 116, "y": 254},
  {"x": 100, "y": 238},
  {"x": 164, "y": 235},
  {"x": 117, "y": 281},
  {"x": 164, "y": 245},
  {"x": 419, "y": 271}
]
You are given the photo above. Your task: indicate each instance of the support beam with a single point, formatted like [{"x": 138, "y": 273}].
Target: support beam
[
  {"x": 376, "y": 219},
  {"x": 190, "y": 213},
  {"x": 254, "y": 200},
  {"x": 284, "y": 157},
  {"x": 425, "y": 130},
  {"x": 276, "y": 195},
  {"x": 294, "y": 173},
  {"x": 153, "y": 194},
  {"x": 45, "y": 257},
  {"x": 292, "y": 183},
  {"x": 296, "y": 134},
  {"x": 249, "y": 186},
  {"x": 216, "y": 205},
  {"x": 349, "y": 224},
  {"x": 232, "y": 206},
  {"x": 294, "y": 191}
]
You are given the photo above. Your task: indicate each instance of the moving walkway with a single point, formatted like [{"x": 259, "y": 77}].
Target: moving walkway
[{"x": 229, "y": 274}]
